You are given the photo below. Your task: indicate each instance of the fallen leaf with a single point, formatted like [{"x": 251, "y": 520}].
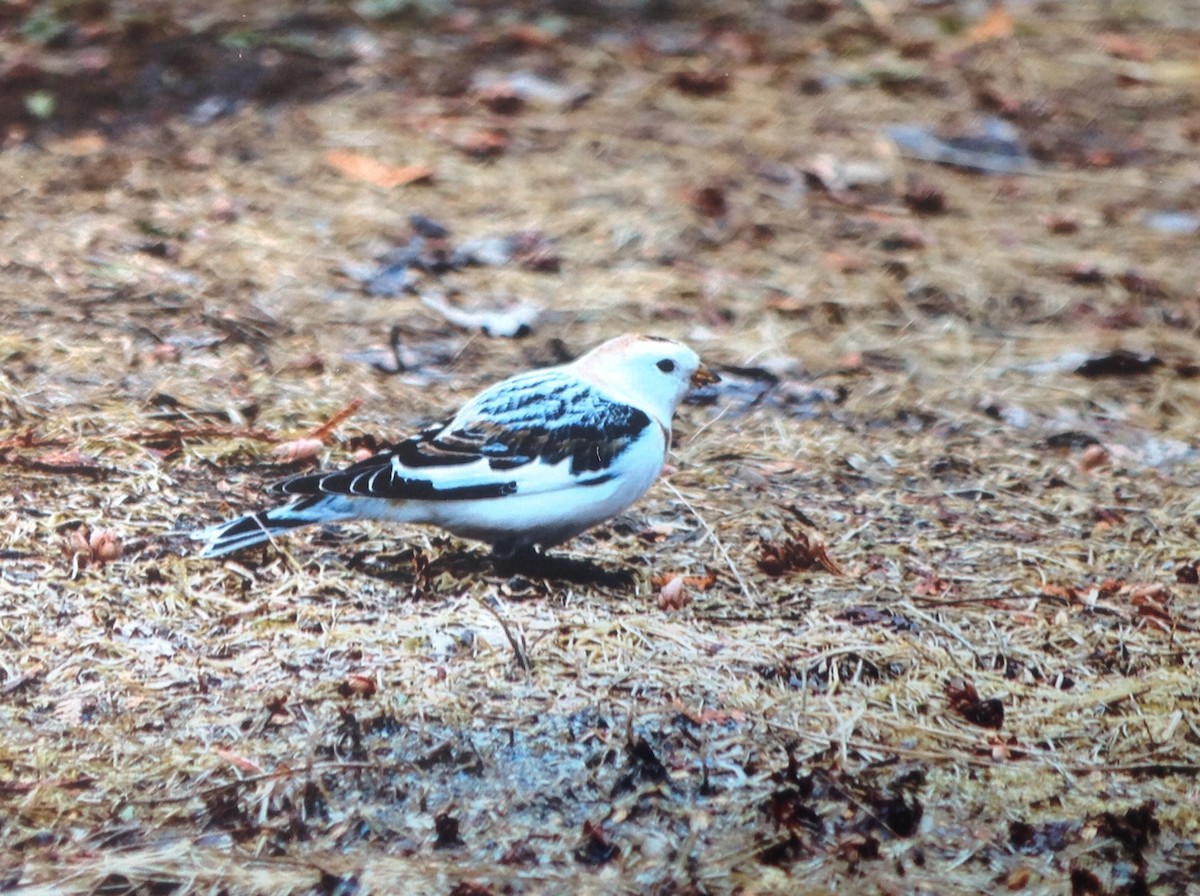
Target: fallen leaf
[
  {"x": 483, "y": 144},
  {"x": 1094, "y": 456},
  {"x": 359, "y": 167},
  {"x": 931, "y": 585},
  {"x": 965, "y": 701},
  {"x": 535, "y": 251},
  {"x": 471, "y": 888},
  {"x": 1084, "y": 273},
  {"x": 241, "y": 763},
  {"x": 72, "y": 461},
  {"x": 924, "y": 196},
  {"x": 1151, "y": 602},
  {"x": 519, "y": 853},
  {"x": 532, "y": 36},
  {"x": 1144, "y": 287},
  {"x": 1002, "y": 749},
  {"x": 1122, "y": 46},
  {"x": 501, "y": 99},
  {"x": 596, "y": 848},
  {"x": 845, "y": 262},
  {"x": 708, "y": 716},
  {"x": 105, "y": 546},
  {"x": 85, "y": 143},
  {"x": 1061, "y": 224},
  {"x": 798, "y": 552},
  {"x": 356, "y": 685},
  {"x": 709, "y": 201},
  {"x": 997, "y": 24},
  {"x": 85, "y": 547},
  {"x": 1018, "y": 878},
  {"x": 297, "y": 450},
  {"x": 673, "y": 594},
  {"x": 706, "y": 83}
]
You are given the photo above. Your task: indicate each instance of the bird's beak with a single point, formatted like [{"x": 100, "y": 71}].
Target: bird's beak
[{"x": 704, "y": 377}]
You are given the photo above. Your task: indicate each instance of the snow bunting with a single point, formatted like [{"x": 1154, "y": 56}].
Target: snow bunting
[{"x": 531, "y": 461}]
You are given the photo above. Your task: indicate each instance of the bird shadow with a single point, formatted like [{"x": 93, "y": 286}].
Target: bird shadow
[
  {"x": 557, "y": 568},
  {"x": 413, "y": 567}
]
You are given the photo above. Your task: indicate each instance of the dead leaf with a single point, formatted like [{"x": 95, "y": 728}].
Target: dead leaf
[
  {"x": 501, "y": 99},
  {"x": 1094, "y": 456},
  {"x": 1122, "y": 46},
  {"x": 1018, "y": 878},
  {"x": 931, "y": 585},
  {"x": 359, "y": 167},
  {"x": 703, "y": 583},
  {"x": 72, "y": 461},
  {"x": 965, "y": 701},
  {"x": 706, "y": 83},
  {"x": 297, "y": 450},
  {"x": 485, "y": 144},
  {"x": 844, "y": 262},
  {"x": 924, "y": 196},
  {"x": 798, "y": 552},
  {"x": 532, "y": 36},
  {"x": 1002, "y": 749},
  {"x": 356, "y": 685},
  {"x": 708, "y": 716},
  {"x": 1144, "y": 287},
  {"x": 709, "y": 201},
  {"x": 85, "y": 143},
  {"x": 998, "y": 24},
  {"x": 1151, "y": 602},
  {"x": 673, "y": 594},
  {"x": 84, "y": 547},
  {"x": 535, "y": 251},
  {"x": 1061, "y": 224},
  {"x": 105, "y": 546},
  {"x": 241, "y": 763}
]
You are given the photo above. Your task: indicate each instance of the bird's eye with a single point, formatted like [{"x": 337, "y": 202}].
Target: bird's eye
[{"x": 666, "y": 365}]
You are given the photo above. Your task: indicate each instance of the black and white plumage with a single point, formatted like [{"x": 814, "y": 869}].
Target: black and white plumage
[{"x": 531, "y": 461}]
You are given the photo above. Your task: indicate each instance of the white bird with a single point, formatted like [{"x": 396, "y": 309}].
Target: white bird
[{"x": 529, "y": 462}]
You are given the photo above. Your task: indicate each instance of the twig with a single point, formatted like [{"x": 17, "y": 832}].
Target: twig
[
  {"x": 517, "y": 644},
  {"x": 751, "y": 593},
  {"x": 322, "y": 432},
  {"x": 285, "y": 772},
  {"x": 1031, "y": 756},
  {"x": 203, "y": 432}
]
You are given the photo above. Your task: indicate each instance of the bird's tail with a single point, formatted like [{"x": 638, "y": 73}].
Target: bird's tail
[{"x": 255, "y": 528}]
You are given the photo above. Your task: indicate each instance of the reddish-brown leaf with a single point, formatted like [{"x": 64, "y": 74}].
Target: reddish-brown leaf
[
  {"x": 798, "y": 552},
  {"x": 997, "y": 24},
  {"x": 965, "y": 701},
  {"x": 359, "y": 167},
  {"x": 706, "y": 83},
  {"x": 241, "y": 763},
  {"x": 673, "y": 594}
]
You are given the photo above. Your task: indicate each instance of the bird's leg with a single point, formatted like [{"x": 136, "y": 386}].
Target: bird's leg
[{"x": 524, "y": 560}]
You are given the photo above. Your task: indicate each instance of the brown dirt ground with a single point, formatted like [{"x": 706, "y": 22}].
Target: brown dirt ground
[{"x": 1000, "y": 693}]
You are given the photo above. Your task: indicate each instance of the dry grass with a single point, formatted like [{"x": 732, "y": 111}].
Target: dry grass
[{"x": 375, "y": 710}]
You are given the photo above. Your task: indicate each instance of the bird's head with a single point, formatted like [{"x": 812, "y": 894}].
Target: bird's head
[{"x": 649, "y": 372}]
